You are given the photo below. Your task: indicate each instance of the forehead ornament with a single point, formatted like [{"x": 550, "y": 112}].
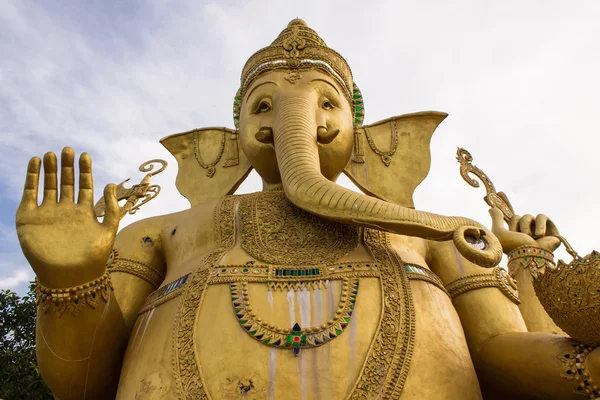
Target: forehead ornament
[{"x": 297, "y": 48}]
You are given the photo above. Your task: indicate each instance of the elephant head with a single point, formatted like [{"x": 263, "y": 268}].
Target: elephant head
[{"x": 297, "y": 111}]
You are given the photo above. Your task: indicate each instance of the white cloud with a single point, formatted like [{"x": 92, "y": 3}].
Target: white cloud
[{"x": 16, "y": 279}]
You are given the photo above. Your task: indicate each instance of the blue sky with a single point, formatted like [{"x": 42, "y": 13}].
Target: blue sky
[{"x": 519, "y": 80}]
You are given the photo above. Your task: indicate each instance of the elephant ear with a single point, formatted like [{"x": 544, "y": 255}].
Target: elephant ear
[
  {"x": 392, "y": 157},
  {"x": 210, "y": 163}
]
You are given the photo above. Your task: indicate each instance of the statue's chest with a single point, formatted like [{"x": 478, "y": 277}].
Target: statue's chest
[
  {"x": 274, "y": 231},
  {"x": 292, "y": 307}
]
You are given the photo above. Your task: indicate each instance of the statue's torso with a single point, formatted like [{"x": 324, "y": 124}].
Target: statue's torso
[{"x": 255, "y": 266}]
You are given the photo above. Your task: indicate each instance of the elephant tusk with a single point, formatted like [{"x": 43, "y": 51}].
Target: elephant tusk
[
  {"x": 265, "y": 135},
  {"x": 325, "y": 136}
]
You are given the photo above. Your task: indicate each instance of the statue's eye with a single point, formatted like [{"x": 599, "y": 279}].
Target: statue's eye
[
  {"x": 327, "y": 105},
  {"x": 262, "y": 107}
]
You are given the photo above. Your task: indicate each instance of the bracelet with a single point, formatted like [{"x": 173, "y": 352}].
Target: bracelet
[
  {"x": 576, "y": 371},
  {"x": 534, "y": 258},
  {"x": 136, "y": 268},
  {"x": 73, "y": 299},
  {"x": 498, "y": 278}
]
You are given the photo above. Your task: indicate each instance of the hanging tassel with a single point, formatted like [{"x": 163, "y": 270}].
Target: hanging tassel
[
  {"x": 358, "y": 156},
  {"x": 232, "y": 158}
]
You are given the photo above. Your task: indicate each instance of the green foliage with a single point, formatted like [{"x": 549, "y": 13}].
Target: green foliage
[{"x": 19, "y": 375}]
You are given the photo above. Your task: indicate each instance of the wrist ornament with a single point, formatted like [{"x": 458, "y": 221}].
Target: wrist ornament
[
  {"x": 497, "y": 278},
  {"x": 576, "y": 371},
  {"x": 73, "y": 299},
  {"x": 534, "y": 258}
]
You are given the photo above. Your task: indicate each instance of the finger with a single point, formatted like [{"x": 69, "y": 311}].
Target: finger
[
  {"x": 86, "y": 183},
  {"x": 513, "y": 225},
  {"x": 67, "y": 175},
  {"x": 112, "y": 214},
  {"x": 525, "y": 224},
  {"x": 497, "y": 219},
  {"x": 551, "y": 229},
  {"x": 540, "y": 225},
  {"x": 50, "y": 180},
  {"x": 30, "y": 191}
]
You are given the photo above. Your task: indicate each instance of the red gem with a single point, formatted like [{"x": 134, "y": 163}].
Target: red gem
[{"x": 296, "y": 339}]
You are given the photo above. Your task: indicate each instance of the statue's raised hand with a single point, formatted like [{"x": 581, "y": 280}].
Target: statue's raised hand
[
  {"x": 62, "y": 240},
  {"x": 527, "y": 230}
]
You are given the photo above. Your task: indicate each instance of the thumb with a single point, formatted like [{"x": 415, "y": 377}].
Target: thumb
[
  {"x": 112, "y": 215},
  {"x": 509, "y": 240},
  {"x": 497, "y": 220}
]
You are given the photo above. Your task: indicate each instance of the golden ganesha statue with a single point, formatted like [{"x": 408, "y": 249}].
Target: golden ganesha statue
[{"x": 306, "y": 290}]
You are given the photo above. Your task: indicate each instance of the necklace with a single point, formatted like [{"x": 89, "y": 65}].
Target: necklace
[
  {"x": 210, "y": 168},
  {"x": 386, "y": 156},
  {"x": 297, "y": 337}
]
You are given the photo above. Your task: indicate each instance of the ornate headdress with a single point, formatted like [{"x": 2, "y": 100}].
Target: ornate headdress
[{"x": 296, "y": 48}]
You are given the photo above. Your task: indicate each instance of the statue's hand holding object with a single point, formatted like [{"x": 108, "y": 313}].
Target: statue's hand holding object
[
  {"x": 62, "y": 239},
  {"x": 527, "y": 230}
]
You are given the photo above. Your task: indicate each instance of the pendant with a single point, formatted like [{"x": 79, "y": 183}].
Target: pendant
[
  {"x": 296, "y": 339},
  {"x": 210, "y": 171},
  {"x": 386, "y": 160}
]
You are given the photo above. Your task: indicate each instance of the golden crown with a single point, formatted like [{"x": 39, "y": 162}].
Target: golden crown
[{"x": 296, "y": 48}]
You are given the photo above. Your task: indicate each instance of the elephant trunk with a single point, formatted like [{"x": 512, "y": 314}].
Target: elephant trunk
[{"x": 295, "y": 140}]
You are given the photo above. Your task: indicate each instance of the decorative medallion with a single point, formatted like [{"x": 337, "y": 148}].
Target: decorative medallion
[{"x": 277, "y": 232}]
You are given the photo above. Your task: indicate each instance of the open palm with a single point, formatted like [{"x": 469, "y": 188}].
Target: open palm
[{"x": 63, "y": 240}]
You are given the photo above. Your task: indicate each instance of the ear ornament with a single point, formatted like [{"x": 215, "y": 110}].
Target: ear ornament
[
  {"x": 233, "y": 156},
  {"x": 386, "y": 156},
  {"x": 210, "y": 167},
  {"x": 358, "y": 108}
]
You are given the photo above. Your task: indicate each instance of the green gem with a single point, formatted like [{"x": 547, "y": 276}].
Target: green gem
[
  {"x": 356, "y": 96},
  {"x": 347, "y": 319},
  {"x": 243, "y": 322},
  {"x": 337, "y": 331},
  {"x": 223, "y": 270},
  {"x": 253, "y": 333},
  {"x": 289, "y": 339},
  {"x": 245, "y": 270},
  {"x": 358, "y": 108},
  {"x": 525, "y": 258},
  {"x": 266, "y": 341}
]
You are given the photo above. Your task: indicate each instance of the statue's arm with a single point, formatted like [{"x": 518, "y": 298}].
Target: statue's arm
[
  {"x": 507, "y": 358},
  {"x": 80, "y": 354}
]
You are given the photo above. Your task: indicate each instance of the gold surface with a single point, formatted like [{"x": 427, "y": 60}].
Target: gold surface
[
  {"x": 195, "y": 290},
  {"x": 408, "y": 165}
]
